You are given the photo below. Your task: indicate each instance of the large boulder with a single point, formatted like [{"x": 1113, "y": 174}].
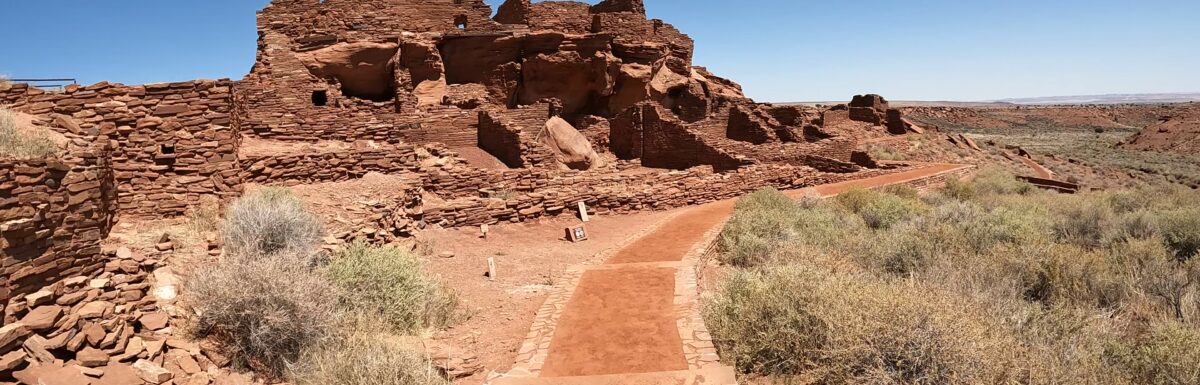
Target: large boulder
[{"x": 571, "y": 148}]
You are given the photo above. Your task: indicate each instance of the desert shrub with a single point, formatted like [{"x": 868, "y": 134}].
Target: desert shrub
[
  {"x": 365, "y": 357},
  {"x": 1085, "y": 223},
  {"x": 764, "y": 321},
  {"x": 390, "y": 284},
  {"x": 831, "y": 327},
  {"x": 887, "y": 210},
  {"x": 271, "y": 222},
  {"x": 885, "y": 152},
  {"x": 1181, "y": 230},
  {"x": 1135, "y": 225},
  {"x": 959, "y": 190},
  {"x": 856, "y": 199},
  {"x": 996, "y": 181},
  {"x": 1169, "y": 354},
  {"x": 264, "y": 311},
  {"x": 23, "y": 144},
  {"x": 763, "y": 221},
  {"x": 903, "y": 191},
  {"x": 1069, "y": 275}
]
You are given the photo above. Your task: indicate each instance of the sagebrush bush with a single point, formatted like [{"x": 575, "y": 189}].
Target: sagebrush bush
[
  {"x": 1168, "y": 355},
  {"x": 1058, "y": 288},
  {"x": 1086, "y": 224},
  {"x": 832, "y": 327},
  {"x": 886, "y": 210},
  {"x": 264, "y": 311},
  {"x": 390, "y": 284},
  {"x": 365, "y": 357},
  {"x": 995, "y": 181},
  {"x": 1181, "y": 230},
  {"x": 271, "y": 222},
  {"x": 767, "y": 222},
  {"x": 23, "y": 144}
]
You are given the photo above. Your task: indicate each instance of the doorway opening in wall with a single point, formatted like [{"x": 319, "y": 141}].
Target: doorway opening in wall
[
  {"x": 320, "y": 98},
  {"x": 460, "y": 21}
]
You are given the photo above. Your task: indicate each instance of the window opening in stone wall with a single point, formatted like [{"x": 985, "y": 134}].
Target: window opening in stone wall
[
  {"x": 166, "y": 149},
  {"x": 320, "y": 98},
  {"x": 460, "y": 21}
]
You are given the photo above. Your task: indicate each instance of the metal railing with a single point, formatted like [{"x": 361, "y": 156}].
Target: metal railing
[{"x": 50, "y": 84}]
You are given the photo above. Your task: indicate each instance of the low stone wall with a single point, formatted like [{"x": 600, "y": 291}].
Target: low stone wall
[
  {"x": 624, "y": 193},
  {"x": 53, "y": 215},
  {"x": 313, "y": 164}
]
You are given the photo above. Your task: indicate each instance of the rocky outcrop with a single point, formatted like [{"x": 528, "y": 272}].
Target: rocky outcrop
[{"x": 1178, "y": 133}]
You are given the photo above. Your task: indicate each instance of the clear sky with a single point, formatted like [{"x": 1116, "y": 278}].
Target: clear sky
[{"x": 779, "y": 50}]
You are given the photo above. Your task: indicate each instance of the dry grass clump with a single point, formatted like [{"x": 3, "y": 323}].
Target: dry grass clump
[
  {"x": 276, "y": 308},
  {"x": 390, "y": 284},
  {"x": 264, "y": 311},
  {"x": 365, "y": 357},
  {"x": 887, "y": 287},
  {"x": 271, "y": 222},
  {"x": 822, "y": 326},
  {"x": 1168, "y": 354},
  {"x": 24, "y": 143},
  {"x": 768, "y": 226}
]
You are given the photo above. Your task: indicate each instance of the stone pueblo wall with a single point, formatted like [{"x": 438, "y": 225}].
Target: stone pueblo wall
[
  {"x": 302, "y": 164},
  {"x": 53, "y": 215},
  {"x": 174, "y": 143},
  {"x": 624, "y": 193}
]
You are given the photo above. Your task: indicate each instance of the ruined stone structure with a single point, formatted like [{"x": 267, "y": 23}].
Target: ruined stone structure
[
  {"x": 457, "y": 117},
  {"x": 53, "y": 214},
  {"x": 343, "y": 88}
]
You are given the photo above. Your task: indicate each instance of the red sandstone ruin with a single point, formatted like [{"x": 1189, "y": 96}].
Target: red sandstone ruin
[
  {"x": 437, "y": 91},
  {"x": 474, "y": 119}
]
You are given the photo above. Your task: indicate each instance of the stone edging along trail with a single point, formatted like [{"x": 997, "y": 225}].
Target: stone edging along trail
[{"x": 636, "y": 318}]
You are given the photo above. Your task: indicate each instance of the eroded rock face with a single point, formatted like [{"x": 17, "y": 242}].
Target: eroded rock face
[
  {"x": 312, "y": 77},
  {"x": 364, "y": 70}
]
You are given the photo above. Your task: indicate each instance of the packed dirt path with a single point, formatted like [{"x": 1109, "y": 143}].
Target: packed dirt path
[{"x": 638, "y": 314}]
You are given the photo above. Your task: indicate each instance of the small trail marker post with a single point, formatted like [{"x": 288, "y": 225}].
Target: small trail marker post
[
  {"x": 577, "y": 234},
  {"x": 483, "y": 231},
  {"x": 583, "y": 213},
  {"x": 491, "y": 269}
]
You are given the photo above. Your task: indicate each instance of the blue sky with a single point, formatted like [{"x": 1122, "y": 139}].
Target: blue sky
[{"x": 779, "y": 50}]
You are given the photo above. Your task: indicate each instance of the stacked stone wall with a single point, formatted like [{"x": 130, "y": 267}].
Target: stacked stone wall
[
  {"x": 304, "y": 164},
  {"x": 53, "y": 215},
  {"x": 174, "y": 143}
]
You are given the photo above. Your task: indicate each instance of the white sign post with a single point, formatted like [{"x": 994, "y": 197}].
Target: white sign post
[
  {"x": 583, "y": 214},
  {"x": 491, "y": 269}
]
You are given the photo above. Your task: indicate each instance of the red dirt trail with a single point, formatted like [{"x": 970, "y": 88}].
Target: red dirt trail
[{"x": 621, "y": 320}]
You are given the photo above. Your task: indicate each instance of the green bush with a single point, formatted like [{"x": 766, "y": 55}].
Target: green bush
[
  {"x": 271, "y": 222},
  {"x": 264, "y": 311},
  {"x": 390, "y": 284},
  {"x": 24, "y": 144}
]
